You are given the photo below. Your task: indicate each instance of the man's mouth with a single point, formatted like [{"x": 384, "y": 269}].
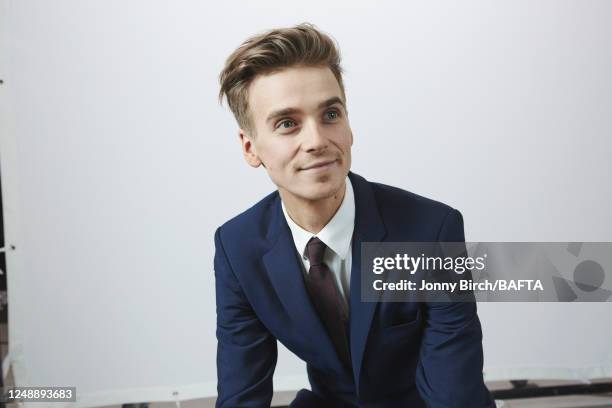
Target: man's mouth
[{"x": 320, "y": 165}]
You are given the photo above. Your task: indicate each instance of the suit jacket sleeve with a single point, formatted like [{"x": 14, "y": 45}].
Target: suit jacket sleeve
[
  {"x": 449, "y": 373},
  {"x": 246, "y": 351}
]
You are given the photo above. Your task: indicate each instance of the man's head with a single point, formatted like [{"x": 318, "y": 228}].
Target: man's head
[{"x": 286, "y": 92}]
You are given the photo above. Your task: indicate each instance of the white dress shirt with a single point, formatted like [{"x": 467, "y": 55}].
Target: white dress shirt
[{"x": 337, "y": 235}]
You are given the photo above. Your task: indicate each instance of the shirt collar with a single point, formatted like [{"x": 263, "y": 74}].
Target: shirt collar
[{"x": 336, "y": 234}]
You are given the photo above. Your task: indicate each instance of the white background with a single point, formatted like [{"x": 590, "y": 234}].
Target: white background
[{"x": 118, "y": 164}]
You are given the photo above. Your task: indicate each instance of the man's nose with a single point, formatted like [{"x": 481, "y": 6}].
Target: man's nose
[{"x": 314, "y": 137}]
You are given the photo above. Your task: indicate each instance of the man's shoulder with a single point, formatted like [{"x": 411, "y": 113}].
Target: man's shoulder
[
  {"x": 394, "y": 197},
  {"x": 254, "y": 220},
  {"x": 410, "y": 216}
]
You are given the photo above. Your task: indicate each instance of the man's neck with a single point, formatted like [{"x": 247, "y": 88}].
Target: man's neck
[{"x": 313, "y": 215}]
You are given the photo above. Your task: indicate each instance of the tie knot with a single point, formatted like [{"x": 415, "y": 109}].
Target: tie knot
[{"x": 315, "y": 250}]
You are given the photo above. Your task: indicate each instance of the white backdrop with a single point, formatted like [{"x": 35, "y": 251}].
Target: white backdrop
[{"x": 118, "y": 164}]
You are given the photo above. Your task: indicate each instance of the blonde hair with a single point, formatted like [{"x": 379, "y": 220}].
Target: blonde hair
[{"x": 269, "y": 52}]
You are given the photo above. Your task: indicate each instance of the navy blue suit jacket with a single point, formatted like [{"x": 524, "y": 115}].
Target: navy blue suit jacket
[{"x": 403, "y": 354}]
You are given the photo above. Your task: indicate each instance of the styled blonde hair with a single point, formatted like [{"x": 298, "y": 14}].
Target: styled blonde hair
[{"x": 270, "y": 52}]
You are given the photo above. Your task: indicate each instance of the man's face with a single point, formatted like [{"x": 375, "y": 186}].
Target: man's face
[{"x": 302, "y": 132}]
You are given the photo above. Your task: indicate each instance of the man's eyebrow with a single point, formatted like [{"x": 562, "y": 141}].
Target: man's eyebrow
[
  {"x": 288, "y": 111},
  {"x": 331, "y": 101},
  {"x": 281, "y": 112}
]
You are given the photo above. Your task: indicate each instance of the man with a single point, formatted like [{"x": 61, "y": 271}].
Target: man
[{"x": 288, "y": 268}]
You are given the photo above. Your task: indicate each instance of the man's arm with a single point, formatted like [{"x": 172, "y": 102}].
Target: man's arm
[
  {"x": 246, "y": 351},
  {"x": 449, "y": 373}
]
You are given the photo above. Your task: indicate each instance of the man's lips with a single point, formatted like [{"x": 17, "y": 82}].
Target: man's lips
[{"x": 319, "y": 164}]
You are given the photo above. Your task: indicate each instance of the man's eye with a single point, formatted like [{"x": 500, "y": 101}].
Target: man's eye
[
  {"x": 332, "y": 114},
  {"x": 286, "y": 124}
]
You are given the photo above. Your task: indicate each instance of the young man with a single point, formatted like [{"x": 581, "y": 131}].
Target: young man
[{"x": 287, "y": 269}]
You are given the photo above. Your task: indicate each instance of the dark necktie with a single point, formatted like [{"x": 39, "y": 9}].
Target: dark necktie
[{"x": 326, "y": 299}]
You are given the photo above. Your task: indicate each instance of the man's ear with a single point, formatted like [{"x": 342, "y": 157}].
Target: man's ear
[{"x": 248, "y": 149}]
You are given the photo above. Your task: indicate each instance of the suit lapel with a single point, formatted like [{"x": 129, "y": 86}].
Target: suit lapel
[
  {"x": 369, "y": 227},
  {"x": 281, "y": 262}
]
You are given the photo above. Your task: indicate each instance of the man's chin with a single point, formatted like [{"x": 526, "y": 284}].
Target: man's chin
[
  {"x": 313, "y": 189},
  {"x": 321, "y": 191}
]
